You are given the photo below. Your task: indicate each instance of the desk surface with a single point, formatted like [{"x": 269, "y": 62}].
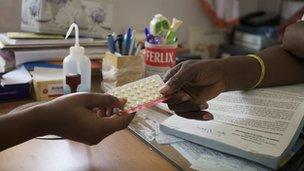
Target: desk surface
[{"x": 120, "y": 151}]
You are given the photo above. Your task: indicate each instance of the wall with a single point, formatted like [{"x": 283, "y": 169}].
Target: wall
[
  {"x": 126, "y": 12},
  {"x": 139, "y": 12},
  {"x": 10, "y": 15}
]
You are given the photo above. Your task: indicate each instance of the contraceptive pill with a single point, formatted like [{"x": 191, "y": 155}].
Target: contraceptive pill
[{"x": 140, "y": 94}]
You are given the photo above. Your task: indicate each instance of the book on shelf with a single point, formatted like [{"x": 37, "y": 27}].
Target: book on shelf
[
  {"x": 252, "y": 41},
  {"x": 7, "y": 42},
  {"x": 51, "y": 42},
  {"x": 12, "y": 58},
  {"x": 261, "y": 125},
  {"x": 36, "y": 46},
  {"x": 30, "y": 35}
]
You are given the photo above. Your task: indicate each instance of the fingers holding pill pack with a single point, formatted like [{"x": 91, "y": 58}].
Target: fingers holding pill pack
[{"x": 140, "y": 94}]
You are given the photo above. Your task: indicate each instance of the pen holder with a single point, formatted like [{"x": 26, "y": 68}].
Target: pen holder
[
  {"x": 119, "y": 70},
  {"x": 159, "y": 58}
]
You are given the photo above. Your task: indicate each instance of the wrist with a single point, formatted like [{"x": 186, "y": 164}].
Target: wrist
[
  {"x": 39, "y": 120},
  {"x": 240, "y": 72}
]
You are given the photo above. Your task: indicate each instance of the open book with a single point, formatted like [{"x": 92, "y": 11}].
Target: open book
[{"x": 260, "y": 125}]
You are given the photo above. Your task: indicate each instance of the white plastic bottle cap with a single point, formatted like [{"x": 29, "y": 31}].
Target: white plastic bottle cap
[{"x": 77, "y": 51}]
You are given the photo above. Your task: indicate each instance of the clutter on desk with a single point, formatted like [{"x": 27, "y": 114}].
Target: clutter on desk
[
  {"x": 160, "y": 45},
  {"x": 76, "y": 67},
  {"x": 123, "y": 63},
  {"x": 33, "y": 49},
  {"x": 124, "y": 44}
]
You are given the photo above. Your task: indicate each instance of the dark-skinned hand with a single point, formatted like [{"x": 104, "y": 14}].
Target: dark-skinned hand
[{"x": 191, "y": 84}]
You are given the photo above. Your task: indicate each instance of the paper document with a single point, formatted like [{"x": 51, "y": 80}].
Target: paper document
[
  {"x": 47, "y": 74},
  {"x": 202, "y": 158},
  {"x": 259, "y": 125},
  {"x": 17, "y": 76},
  {"x": 150, "y": 129}
]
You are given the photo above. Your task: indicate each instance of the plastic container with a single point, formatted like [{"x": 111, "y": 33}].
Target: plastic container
[
  {"x": 76, "y": 67},
  {"x": 159, "y": 58},
  {"x": 119, "y": 70}
]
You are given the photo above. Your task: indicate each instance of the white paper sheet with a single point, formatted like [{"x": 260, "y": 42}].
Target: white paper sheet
[
  {"x": 223, "y": 163},
  {"x": 152, "y": 119},
  {"x": 202, "y": 158},
  {"x": 17, "y": 76},
  {"x": 46, "y": 74},
  {"x": 259, "y": 125}
]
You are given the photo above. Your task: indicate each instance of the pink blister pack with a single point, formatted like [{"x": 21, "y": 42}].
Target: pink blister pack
[{"x": 140, "y": 94}]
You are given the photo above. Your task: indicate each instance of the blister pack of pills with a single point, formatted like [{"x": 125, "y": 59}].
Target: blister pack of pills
[{"x": 140, "y": 94}]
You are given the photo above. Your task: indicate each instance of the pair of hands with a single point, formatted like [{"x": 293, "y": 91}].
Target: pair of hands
[{"x": 90, "y": 117}]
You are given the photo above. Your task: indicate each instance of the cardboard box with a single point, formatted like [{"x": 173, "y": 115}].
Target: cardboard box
[
  {"x": 93, "y": 18},
  {"x": 48, "y": 90},
  {"x": 48, "y": 83},
  {"x": 119, "y": 70}
]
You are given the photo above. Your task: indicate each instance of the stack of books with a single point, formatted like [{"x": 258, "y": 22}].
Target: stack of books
[
  {"x": 30, "y": 50},
  {"x": 255, "y": 38},
  {"x": 249, "y": 39},
  {"x": 23, "y": 48}
]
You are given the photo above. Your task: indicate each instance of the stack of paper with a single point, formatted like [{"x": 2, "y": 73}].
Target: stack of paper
[{"x": 260, "y": 125}]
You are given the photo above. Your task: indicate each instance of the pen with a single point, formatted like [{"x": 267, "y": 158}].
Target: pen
[
  {"x": 132, "y": 42},
  {"x": 134, "y": 48},
  {"x": 118, "y": 42},
  {"x": 111, "y": 42},
  {"x": 127, "y": 41},
  {"x": 139, "y": 45},
  {"x": 149, "y": 37}
]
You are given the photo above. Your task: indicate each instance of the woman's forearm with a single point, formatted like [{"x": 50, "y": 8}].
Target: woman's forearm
[
  {"x": 18, "y": 127},
  {"x": 281, "y": 68}
]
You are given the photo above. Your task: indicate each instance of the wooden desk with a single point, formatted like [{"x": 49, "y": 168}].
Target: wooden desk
[{"x": 120, "y": 151}]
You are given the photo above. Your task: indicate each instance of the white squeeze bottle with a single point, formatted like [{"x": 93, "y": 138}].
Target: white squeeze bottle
[{"x": 76, "y": 67}]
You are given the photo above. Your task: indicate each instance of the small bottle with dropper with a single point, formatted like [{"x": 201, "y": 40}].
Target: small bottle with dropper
[{"x": 76, "y": 67}]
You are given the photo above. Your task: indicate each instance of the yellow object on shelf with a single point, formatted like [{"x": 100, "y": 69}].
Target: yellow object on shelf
[
  {"x": 47, "y": 90},
  {"x": 48, "y": 83}
]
